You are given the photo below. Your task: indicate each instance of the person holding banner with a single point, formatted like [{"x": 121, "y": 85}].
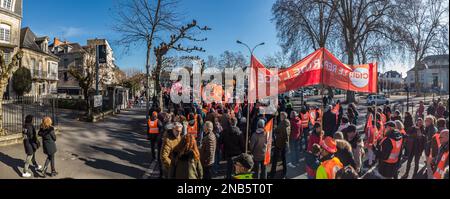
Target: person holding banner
[
  {"x": 282, "y": 133},
  {"x": 258, "y": 148}
]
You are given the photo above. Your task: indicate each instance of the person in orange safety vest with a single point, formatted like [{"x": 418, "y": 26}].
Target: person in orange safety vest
[
  {"x": 154, "y": 128},
  {"x": 439, "y": 165},
  {"x": 389, "y": 153},
  {"x": 330, "y": 164}
]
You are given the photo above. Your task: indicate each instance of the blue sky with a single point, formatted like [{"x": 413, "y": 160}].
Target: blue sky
[{"x": 79, "y": 20}]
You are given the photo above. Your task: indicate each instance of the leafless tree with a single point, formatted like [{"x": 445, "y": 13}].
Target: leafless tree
[
  {"x": 141, "y": 22},
  {"x": 358, "y": 20},
  {"x": 305, "y": 26},
  {"x": 183, "y": 34},
  {"x": 416, "y": 26},
  {"x": 6, "y": 70},
  {"x": 229, "y": 59},
  {"x": 278, "y": 60}
]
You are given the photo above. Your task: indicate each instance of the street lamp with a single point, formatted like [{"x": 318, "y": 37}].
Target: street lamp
[{"x": 251, "y": 50}]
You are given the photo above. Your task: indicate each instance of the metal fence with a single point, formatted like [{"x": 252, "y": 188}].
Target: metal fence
[{"x": 15, "y": 110}]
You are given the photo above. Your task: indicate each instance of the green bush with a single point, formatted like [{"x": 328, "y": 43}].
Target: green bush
[
  {"x": 22, "y": 81},
  {"x": 73, "y": 104}
]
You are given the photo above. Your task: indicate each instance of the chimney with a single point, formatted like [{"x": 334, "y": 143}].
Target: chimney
[{"x": 56, "y": 42}]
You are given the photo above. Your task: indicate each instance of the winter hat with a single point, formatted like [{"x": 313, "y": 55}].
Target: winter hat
[
  {"x": 245, "y": 159},
  {"x": 261, "y": 124},
  {"x": 329, "y": 144},
  {"x": 390, "y": 124}
]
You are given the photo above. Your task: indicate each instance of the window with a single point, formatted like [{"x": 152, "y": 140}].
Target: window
[
  {"x": 66, "y": 63},
  {"x": 5, "y": 33},
  {"x": 7, "y": 4}
]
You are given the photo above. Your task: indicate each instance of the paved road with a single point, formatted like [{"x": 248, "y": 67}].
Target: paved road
[{"x": 115, "y": 148}]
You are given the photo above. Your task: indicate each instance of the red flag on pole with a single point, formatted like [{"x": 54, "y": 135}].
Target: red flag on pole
[{"x": 268, "y": 130}]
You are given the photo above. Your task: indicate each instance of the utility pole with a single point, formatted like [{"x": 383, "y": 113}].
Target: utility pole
[{"x": 248, "y": 90}]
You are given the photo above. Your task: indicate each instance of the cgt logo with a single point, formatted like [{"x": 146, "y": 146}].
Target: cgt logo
[{"x": 360, "y": 77}]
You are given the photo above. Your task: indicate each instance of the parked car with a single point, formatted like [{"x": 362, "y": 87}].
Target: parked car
[{"x": 377, "y": 100}]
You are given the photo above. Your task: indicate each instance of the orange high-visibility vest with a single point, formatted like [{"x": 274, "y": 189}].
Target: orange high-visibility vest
[
  {"x": 440, "y": 170},
  {"x": 332, "y": 166},
  {"x": 395, "y": 152},
  {"x": 305, "y": 120},
  {"x": 193, "y": 130},
  {"x": 312, "y": 116},
  {"x": 320, "y": 115},
  {"x": 153, "y": 127}
]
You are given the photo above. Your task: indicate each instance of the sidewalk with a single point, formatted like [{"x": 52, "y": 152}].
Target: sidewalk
[{"x": 115, "y": 148}]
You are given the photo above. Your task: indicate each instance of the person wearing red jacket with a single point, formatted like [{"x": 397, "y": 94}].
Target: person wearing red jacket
[
  {"x": 316, "y": 137},
  {"x": 296, "y": 134}
]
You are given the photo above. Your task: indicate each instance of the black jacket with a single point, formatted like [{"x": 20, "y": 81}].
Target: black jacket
[
  {"x": 329, "y": 123},
  {"x": 345, "y": 153},
  {"x": 384, "y": 151},
  {"x": 30, "y": 139},
  {"x": 233, "y": 142},
  {"x": 48, "y": 140}
]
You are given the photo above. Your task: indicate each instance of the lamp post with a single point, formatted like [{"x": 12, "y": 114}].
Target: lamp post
[{"x": 251, "y": 50}]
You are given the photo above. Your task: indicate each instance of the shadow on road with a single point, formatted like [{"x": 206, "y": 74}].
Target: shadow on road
[
  {"x": 12, "y": 162},
  {"x": 113, "y": 167},
  {"x": 132, "y": 156}
]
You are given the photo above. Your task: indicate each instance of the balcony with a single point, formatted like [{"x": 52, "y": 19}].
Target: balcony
[{"x": 43, "y": 75}]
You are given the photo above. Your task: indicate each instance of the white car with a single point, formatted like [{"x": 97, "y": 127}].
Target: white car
[{"x": 377, "y": 100}]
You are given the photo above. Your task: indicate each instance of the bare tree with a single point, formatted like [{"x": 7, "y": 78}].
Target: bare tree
[
  {"x": 304, "y": 25},
  {"x": 278, "y": 60},
  {"x": 358, "y": 20},
  {"x": 140, "y": 22},
  {"x": 184, "y": 33},
  {"x": 416, "y": 26},
  {"x": 230, "y": 59},
  {"x": 6, "y": 71},
  {"x": 85, "y": 76}
]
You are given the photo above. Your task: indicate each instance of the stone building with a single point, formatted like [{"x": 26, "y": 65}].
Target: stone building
[
  {"x": 433, "y": 74},
  {"x": 42, "y": 63},
  {"x": 10, "y": 24}
]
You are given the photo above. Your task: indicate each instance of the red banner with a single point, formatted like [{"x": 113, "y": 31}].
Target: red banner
[
  {"x": 319, "y": 68},
  {"x": 268, "y": 130}
]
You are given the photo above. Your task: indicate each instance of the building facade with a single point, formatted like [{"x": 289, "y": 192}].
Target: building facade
[
  {"x": 391, "y": 81},
  {"x": 10, "y": 24},
  {"x": 73, "y": 55},
  {"x": 433, "y": 74},
  {"x": 42, "y": 63}
]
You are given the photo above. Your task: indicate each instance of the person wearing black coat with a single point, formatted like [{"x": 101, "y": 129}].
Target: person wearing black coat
[
  {"x": 330, "y": 125},
  {"x": 384, "y": 149},
  {"x": 233, "y": 145},
  {"x": 47, "y": 132},
  {"x": 31, "y": 145}
]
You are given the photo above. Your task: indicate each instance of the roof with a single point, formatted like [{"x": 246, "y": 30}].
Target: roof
[
  {"x": 435, "y": 57},
  {"x": 29, "y": 40},
  {"x": 392, "y": 74}
]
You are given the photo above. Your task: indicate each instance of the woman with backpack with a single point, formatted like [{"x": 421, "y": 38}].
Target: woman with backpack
[{"x": 47, "y": 132}]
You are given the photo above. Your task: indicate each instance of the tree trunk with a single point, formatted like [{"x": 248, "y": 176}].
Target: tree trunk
[
  {"x": 158, "y": 89},
  {"x": 88, "y": 103},
  {"x": 3, "y": 85},
  {"x": 350, "y": 94},
  {"x": 416, "y": 79},
  {"x": 147, "y": 87}
]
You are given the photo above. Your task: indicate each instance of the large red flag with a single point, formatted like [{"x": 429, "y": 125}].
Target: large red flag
[{"x": 319, "y": 68}]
